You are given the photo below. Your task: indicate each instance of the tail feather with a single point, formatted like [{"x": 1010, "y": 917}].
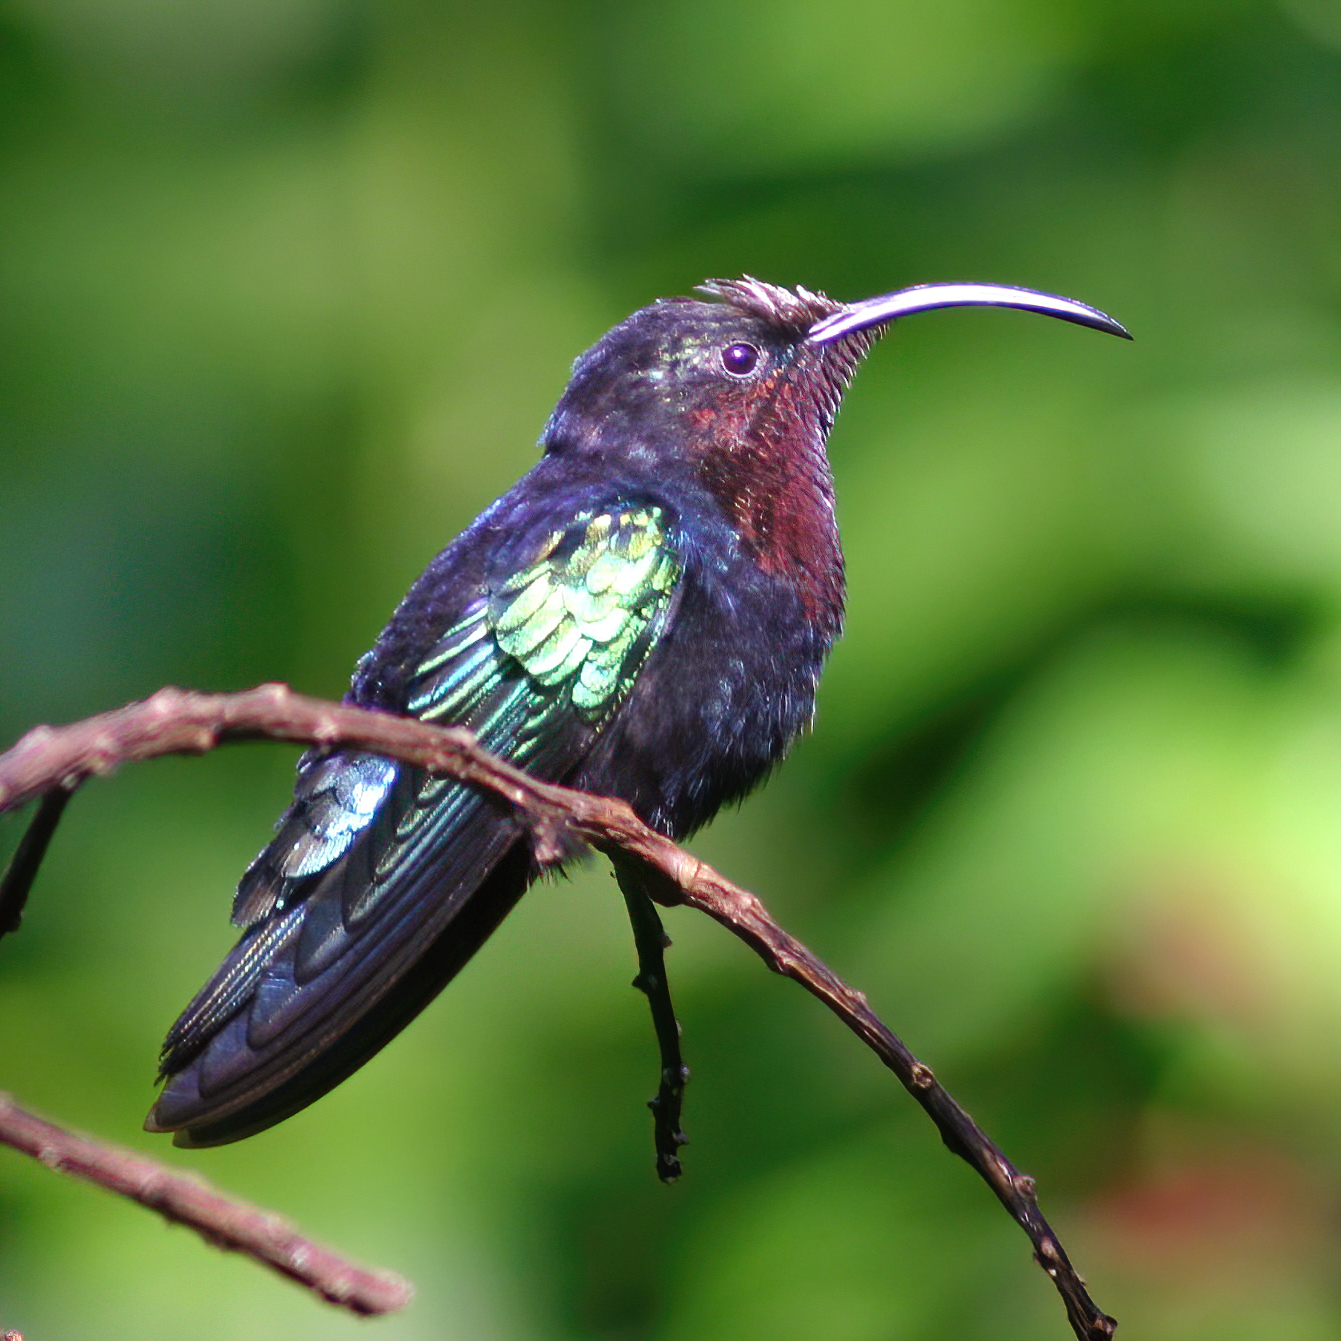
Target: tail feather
[{"x": 222, "y": 1094}]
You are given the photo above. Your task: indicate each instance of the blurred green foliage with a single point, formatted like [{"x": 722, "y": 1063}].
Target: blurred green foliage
[{"x": 286, "y": 292}]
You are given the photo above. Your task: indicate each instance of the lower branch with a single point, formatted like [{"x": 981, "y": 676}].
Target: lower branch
[
  {"x": 185, "y": 1199},
  {"x": 174, "y": 721}
]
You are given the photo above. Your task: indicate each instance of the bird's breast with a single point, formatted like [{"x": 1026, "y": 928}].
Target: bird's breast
[{"x": 728, "y": 688}]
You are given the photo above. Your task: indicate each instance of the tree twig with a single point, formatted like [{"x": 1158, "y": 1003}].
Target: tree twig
[
  {"x": 651, "y": 941},
  {"x": 174, "y": 721},
  {"x": 185, "y": 1199},
  {"x": 17, "y": 881}
]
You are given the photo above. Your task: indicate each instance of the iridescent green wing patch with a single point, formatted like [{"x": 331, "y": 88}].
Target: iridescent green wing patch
[
  {"x": 572, "y": 628},
  {"x": 584, "y": 612}
]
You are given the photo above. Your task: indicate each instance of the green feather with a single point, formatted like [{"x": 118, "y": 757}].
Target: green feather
[
  {"x": 574, "y": 615},
  {"x": 572, "y": 627}
]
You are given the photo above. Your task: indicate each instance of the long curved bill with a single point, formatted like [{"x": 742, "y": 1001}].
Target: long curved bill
[{"x": 924, "y": 297}]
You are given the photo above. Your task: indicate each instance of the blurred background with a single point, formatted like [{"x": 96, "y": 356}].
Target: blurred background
[{"x": 287, "y": 289}]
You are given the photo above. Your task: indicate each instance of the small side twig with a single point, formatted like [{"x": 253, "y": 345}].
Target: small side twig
[
  {"x": 174, "y": 721},
  {"x": 651, "y": 941},
  {"x": 184, "y": 1199},
  {"x": 17, "y": 881}
]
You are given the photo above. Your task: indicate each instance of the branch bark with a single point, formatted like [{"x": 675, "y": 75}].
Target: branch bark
[
  {"x": 175, "y": 721},
  {"x": 185, "y": 1199}
]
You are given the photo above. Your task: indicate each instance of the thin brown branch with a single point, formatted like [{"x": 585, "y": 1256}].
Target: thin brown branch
[
  {"x": 174, "y": 721},
  {"x": 185, "y": 1199},
  {"x": 741, "y": 912}
]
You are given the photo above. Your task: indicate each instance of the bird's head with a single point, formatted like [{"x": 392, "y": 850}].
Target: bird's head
[{"x": 759, "y": 370}]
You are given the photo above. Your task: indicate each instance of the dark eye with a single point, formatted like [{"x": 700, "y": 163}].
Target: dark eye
[{"x": 740, "y": 359}]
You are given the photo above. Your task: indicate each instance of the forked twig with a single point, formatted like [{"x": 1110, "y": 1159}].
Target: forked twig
[
  {"x": 178, "y": 722},
  {"x": 651, "y": 941}
]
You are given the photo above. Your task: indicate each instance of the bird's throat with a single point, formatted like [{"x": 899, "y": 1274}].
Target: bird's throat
[{"x": 770, "y": 474}]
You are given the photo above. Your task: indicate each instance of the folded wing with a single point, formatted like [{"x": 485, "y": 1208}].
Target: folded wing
[{"x": 382, "y": 881}]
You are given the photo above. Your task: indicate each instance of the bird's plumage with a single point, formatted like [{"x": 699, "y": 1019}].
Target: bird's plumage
[{"x": 644, "y": 615}]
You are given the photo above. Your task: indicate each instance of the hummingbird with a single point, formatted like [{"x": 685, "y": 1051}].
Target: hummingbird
[{"x": 644, "y": 615}]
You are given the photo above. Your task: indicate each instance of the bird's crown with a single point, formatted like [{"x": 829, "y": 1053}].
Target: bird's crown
[{"x": 793, "y": 311}]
